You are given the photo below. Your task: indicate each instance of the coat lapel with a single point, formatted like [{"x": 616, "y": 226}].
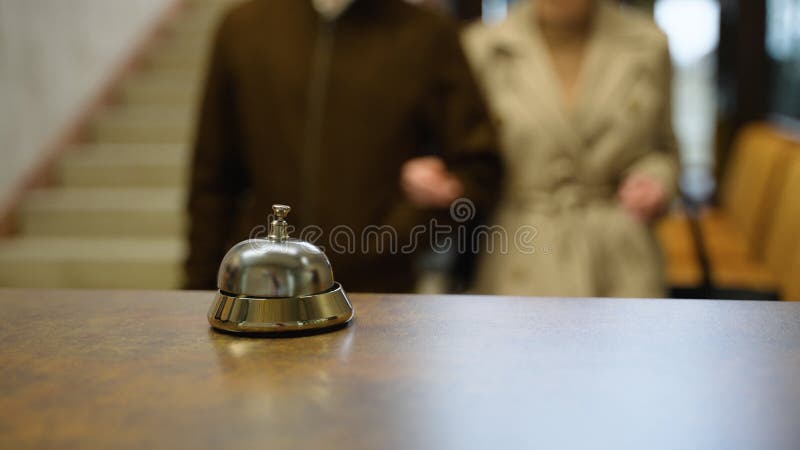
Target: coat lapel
[
  {"x": 606, "y": 72},
  {"x": 521, "y": 56}
]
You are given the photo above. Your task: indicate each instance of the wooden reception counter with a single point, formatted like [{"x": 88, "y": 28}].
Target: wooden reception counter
[{"x": 143, "y": 370}]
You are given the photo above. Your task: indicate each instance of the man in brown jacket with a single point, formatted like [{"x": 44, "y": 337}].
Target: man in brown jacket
[{"x": 364, "y": 116}]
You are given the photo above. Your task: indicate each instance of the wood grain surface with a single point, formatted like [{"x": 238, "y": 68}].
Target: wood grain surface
[{"x": 143, "y": 370}]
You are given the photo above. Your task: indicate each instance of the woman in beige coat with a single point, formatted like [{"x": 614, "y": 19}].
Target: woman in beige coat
[{"x": 580, "y": 90}]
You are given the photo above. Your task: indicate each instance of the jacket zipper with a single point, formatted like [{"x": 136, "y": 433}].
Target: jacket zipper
[{"x": 316, "y": 101}]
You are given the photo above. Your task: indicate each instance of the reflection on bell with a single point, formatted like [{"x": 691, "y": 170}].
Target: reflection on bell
[{"x": 277, "y": 285}]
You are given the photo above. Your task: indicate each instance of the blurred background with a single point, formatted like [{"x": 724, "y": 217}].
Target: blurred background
[{"x": 98, "y": 101}]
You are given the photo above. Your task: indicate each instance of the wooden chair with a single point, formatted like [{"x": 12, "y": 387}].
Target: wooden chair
[
  {"x": 735, "y": 234},
  {"x": 724, "y": 247}
]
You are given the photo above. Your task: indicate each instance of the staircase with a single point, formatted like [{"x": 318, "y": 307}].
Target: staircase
[{"x": 115, "y": 217}]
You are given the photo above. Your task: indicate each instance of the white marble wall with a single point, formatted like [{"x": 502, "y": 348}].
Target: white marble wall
[{"x": 54, "y": 57}]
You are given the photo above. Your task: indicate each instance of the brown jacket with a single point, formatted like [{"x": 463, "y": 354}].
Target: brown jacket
[{"x": 321, "y": 116}]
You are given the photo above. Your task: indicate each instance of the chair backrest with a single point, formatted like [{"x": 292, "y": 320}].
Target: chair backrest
[
  {"x": 749, "y": 191},
  {"x": 782, "y": 244},
  {"x": 784, "y": 234}
]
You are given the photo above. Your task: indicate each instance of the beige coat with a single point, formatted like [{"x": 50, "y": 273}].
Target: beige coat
[{"x": 564, "y": 167}]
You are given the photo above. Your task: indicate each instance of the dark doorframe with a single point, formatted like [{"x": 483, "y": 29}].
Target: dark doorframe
[
  {"x": 742, "y": 70},
  {"x": 468, "y": 10}
]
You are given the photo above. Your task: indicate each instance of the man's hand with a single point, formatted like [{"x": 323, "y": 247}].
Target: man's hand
[
  {"x": 428, "y": 184},
  {"x": 642, "y": 196}
]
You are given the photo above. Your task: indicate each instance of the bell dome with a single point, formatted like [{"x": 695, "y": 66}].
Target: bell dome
[{"x": 267, "y": 268}]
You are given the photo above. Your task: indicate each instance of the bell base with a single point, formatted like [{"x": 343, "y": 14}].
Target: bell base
[{"x": 326, "y": 311}]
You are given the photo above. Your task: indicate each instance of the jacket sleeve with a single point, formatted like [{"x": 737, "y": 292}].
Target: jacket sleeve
[
  {"x": 454, "y": 117},
  {"x": 460, "y": 123},
  {"x": 218, "y": 178},
  {"x": 662, "y": 162}
]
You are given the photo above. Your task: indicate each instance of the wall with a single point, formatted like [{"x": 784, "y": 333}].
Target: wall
[{"x": 54, "y": 57}]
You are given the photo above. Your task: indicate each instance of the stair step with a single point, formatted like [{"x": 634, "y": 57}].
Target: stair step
[
  {"x": 143, "y": 124},
  {"x": 171, "y": 61},
  {"x": 160, "y": 92},
  {"x": 200, "y": 22},
  {"x": 194, "y": 76},
  {"x": 189, "y": 41},
  {"x": 195, "y": 44},
  {"x": 149, "y": 79},
  {"x": 203, "y": 15},
  {"x": 211, "y": 3},
  {"x": 91, "y": 263},
  {"x": 174, "y": 114},
  {"x": 101, "y": 212},
  {"x": 189, "y": 45},
  {"x": 129, "y": 165}
]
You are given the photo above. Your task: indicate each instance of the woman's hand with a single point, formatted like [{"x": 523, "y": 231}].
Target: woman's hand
[
  {"x": 642, "y": 196},
  {"x": 428, "y": 184}
]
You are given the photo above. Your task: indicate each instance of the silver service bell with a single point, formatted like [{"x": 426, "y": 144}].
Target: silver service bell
[{"x": 277, "y": 285}]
